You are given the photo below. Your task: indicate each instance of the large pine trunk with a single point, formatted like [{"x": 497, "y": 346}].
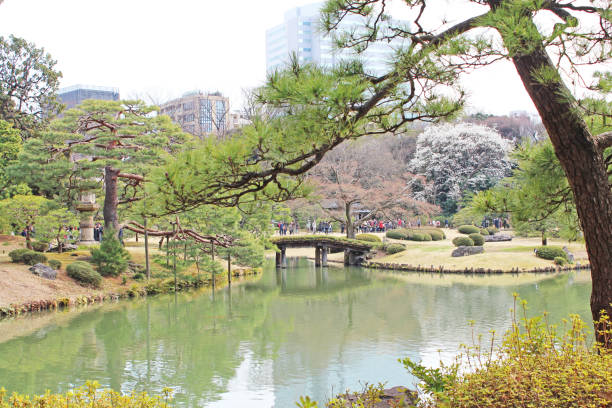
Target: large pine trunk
[
  {"x": 584, "y": 166},
  {"x": 110, "y": 199}
]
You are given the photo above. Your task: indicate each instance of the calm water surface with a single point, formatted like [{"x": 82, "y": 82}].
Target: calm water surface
[{"x": 266, "y": 342}]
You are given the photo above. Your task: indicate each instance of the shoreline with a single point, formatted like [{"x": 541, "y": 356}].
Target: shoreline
[
  {"x": 471, "y": 270},
  {"x": 146, "y": 289}
]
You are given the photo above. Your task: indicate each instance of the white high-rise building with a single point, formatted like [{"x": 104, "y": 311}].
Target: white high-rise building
[{"x": 300, "y": 34}]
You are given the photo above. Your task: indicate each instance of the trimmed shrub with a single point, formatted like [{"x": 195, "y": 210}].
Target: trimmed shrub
[
  {"x": 420, "y": 236},
  {"x": 55, "y": 264},
  {"x": 463, "y": 241},
  {"x": 395, "y": 248},
  {"x": 138, "y": 276},
  {"x": 477, "y": 238},
  {"x": 484, "y": 232},
  {"x": 492, "y": 230},
  {"x": 436, "y": 235},
  {"x": 396, "y": 234},
  {"x": 468, "y": 229},
  {"x": 559, "y": 260},
  {"x": 368, "y": 238},
  {"x": 550, "y": 252},
  {"x": 40, "y": 246},
  {"x": 83, "y": 272},
  {"x": 16, "y": 255},
  {"x": 111, "y": 259},
  {"x": 32, "y": 258}
]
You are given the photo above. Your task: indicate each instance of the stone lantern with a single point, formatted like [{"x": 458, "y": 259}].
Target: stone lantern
[{"x": 87, "y": 207}]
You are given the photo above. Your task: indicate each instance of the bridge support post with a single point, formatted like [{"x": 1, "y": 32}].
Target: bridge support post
[
  {"x": 324, "y": 257},
  {"x": 317, "y": 256},
  {"x": 347, "y": 257},
  {"x": 283, "y": 257},
  {"x": 278, "y": 259}
]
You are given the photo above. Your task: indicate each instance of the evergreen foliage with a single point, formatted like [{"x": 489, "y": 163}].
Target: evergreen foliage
[
  {"x": 84, "y": 273},
  {"x": 111, "y": 258},
  {"x": 463, "y": 241},
  {"x": 550, "y": 252},
  {"x": 468, "y": 229},
  {"x": 368, "y": 237},
  {"x": 477, "y": 239}
]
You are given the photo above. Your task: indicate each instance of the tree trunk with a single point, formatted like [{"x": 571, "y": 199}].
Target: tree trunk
[
  {"x": 110, "y": 199},
  {"x": 350, "y": 227},
  {"x": 544, "y": 239},
  {"x": 584, "y": 167}
]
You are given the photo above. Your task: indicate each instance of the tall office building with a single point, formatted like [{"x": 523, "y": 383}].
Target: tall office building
[
  {"x": 73, "y": 95},
  {"x": 301, "y": 35},
  {"x": 200, "y": 113}
]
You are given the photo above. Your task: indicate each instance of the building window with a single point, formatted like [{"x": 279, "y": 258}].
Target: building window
[
  {"x": 188, "y": 106},
  {"x": 220, "y": 113},
  {"x": 206, "y": 120}
]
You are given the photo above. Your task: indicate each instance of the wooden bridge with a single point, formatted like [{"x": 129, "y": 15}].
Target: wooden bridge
[{"x": 354, "y": 250}]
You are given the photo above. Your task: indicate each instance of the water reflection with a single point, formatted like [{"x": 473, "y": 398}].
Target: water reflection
[{"x": 303, "y": 330}]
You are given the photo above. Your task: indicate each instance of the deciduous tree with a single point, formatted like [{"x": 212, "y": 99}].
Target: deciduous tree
[{"x": 457, "y": 160}]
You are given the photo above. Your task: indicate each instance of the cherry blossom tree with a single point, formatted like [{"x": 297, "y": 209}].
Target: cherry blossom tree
[{"x": 458, "y": 159}]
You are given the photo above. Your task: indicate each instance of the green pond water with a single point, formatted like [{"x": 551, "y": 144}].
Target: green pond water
[{"x": 265, "y": 342}]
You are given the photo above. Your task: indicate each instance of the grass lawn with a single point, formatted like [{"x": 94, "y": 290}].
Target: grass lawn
[{"x": 517, "y": 253}]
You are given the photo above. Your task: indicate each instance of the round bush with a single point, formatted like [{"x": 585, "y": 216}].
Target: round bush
[
  {"x": 396, "y": 234},
  {"x": 368, "y": 237},
  {"x": 484, "y": 231},
  {"x": 463, "y": 241},
  {"x": 84, "y": 273},
  {"x": 420, "y": 236},
  {"x": 40, "y": 246},
  {"x": 32, "y": 258},
  {"x": 468, "y": 229},
  {"x": 395, "y": 248},
  {"x": 559, "y": 260},
  {"x": 16, "y": 255},
  {"x": 55, "y": 264},
  {"x": 492, "y": 230},
  {"x": 138, "y": 276},
  {"x": 550, "y": 252},
  {"x": 436, "y": 235},
  {"x": 477, "y": 238}
]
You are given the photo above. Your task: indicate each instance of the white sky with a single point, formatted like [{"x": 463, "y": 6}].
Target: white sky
[{"x": 164, "y": 48}]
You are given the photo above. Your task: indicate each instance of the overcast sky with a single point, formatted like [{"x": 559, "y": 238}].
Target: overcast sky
[{"x": 165, "y": 48}]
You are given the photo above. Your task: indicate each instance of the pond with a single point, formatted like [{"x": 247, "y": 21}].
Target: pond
[{"x": 263, "y": 343}]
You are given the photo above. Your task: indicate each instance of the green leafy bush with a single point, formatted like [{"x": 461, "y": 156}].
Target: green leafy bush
[
  {"x": 139, "y": 276},
  {"x": 436, "y": 235},
  {"x": 395, "y": 248},
  {"x": 111, "y": 259},
  {"x": 420, "y": 236},
  {"x": 84, "y": 273},
  {"x": 477, "y": 238},
  {"x": 463, "y": 241},
  {"x": 55, "y": 264},
  {"x": 468, "y": 229},
  {"x": 492, "y": 230},
  {"x": 484, "y": 232},
  {"x": 17, "y": 255},
  {"x": 40, "y": 246},
  {"x": 397, "y": 234},
  {"x": 368, "y": 237},
  {"x": 559, "y": 260},
  {"x": 550, "y": 252}
]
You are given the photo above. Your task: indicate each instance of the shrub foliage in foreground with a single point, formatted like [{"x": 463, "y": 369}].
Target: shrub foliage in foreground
[
  {"x": 27, "y": 256},
  {"x": 395, "y": 248},
  {"x": 477, "y": 238},
  {"x": 84, "y": 273},
  {"x": 534, "y": 367},
  {"x": 88, "y": 396}
]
